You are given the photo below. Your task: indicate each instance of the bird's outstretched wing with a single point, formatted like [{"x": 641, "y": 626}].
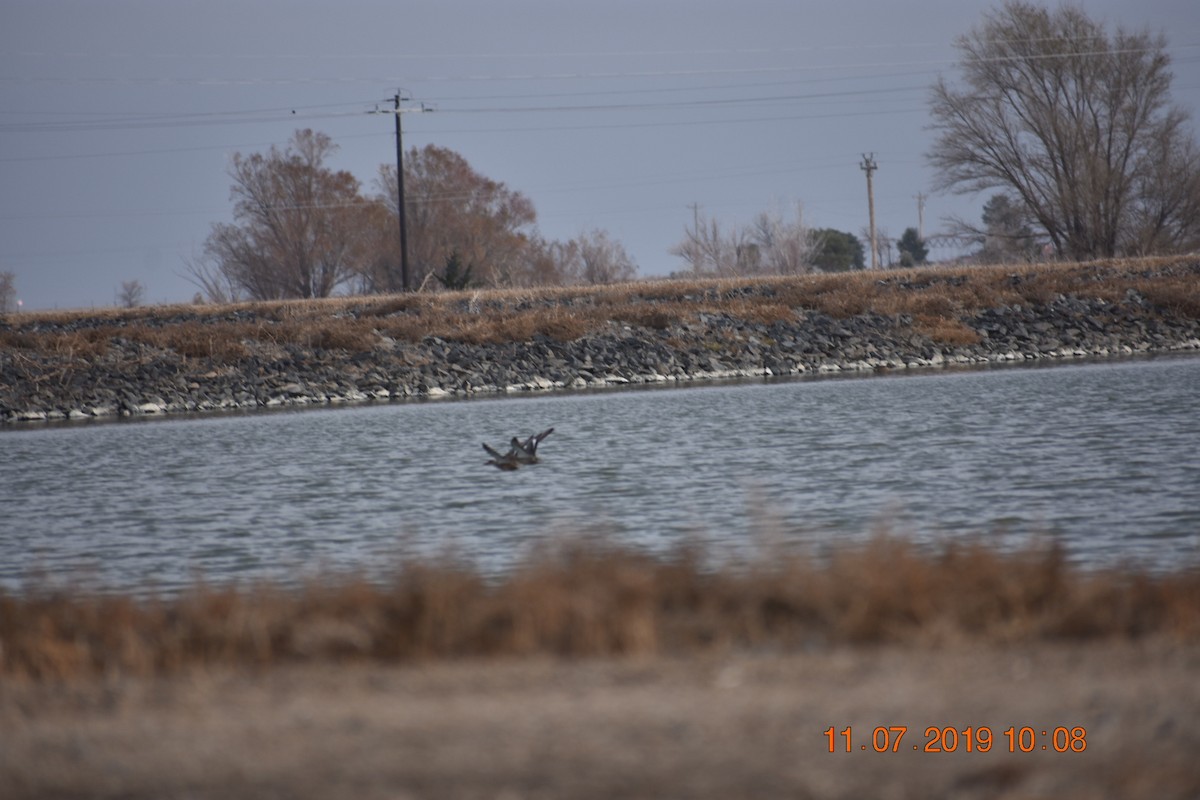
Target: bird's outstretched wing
[
  {"x": 538, "y": 439},
  {"x": 507, "y": 461},
  {"x": 530, "y": 445},
  {"x": 519, "y": 452}
]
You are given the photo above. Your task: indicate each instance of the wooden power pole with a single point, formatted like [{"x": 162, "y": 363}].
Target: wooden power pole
[
  {"x": 397, "y": 111},
  {"x": 868, "y": 166}
]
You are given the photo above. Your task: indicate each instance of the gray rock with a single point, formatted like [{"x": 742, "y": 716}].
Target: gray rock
[{"x": 133, "y": 378}]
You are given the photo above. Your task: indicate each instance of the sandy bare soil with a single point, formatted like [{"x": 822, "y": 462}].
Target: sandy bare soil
[{"x": 736, "y": 725}]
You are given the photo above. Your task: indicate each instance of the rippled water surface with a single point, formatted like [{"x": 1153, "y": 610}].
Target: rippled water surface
[{"x": 1105, "y": 457}]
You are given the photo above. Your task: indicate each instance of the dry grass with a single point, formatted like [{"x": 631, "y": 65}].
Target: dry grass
[
  {"x": 1179, "y": 294},
  {"x": 583, "y": 600},
  {"x": 937, "y": 299},
  {"x": 1171, "y": 284},
  {"x": 945, "y": 329}
]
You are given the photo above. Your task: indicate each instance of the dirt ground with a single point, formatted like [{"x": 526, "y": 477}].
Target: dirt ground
[{"x": 734, "y": 725}]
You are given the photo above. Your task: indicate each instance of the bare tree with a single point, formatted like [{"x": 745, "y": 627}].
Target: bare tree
[
  {"x": 451, "y": 208},
  {"x": 380, "y": 270},
  {"x": 1166, "y": 216},
  {"x": 302, "y": 230},
  {"x": 706, "y": 248},
  {"x": 131, "y": 294},
  {"x": 770, "y": 245},
  {"x": 603, "y": 258},
  {"x": 8, "y": 292},
  {"x": 298, "y": 231},
  {"x": 1006, "y": 235},
  {"x": 216, "y": 284},
  {"x": 1077, "y": 126},
  {"x": 885, "y": 254},
  {"x": 552, "y": 263},
  {"x": 787, "y": 247}
]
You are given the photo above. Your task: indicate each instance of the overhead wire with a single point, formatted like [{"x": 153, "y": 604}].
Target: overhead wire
[
  {"x": 130, "y": 121},
  {"x": 391, "y": 80},
  {"x": 113, "y": 121},
  {"x": 309, "y": 56},
  {"x": 225, "y": 118}
]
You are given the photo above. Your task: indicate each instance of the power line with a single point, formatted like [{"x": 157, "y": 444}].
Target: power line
[
  {"x": 111, "y": 121},
  {"x": 527, "y": 55},
  {"x": 749, "y": 170},
  {"x": 136, "y": 122},
  {"x": 220, "y": 118},
  {"x": 681, "y": 123},
  {"x": 705, "y": 87},
  {"x": 617, "y": 74},
  {"x": 193, "y": 119},
  {"x": 705, "y": 103},
  {"x": 508, "y": 129}
]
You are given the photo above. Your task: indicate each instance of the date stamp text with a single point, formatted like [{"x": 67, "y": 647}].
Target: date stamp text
[{"x": 971, "y": 739}]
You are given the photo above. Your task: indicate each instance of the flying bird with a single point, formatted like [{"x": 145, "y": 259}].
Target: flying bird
[
  {"x": 526, "y": 451},
  {"x": 506, "y": 461},
  {"x": 519, "y": 452}
]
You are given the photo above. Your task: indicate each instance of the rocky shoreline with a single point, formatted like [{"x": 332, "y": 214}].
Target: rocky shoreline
[{"x": 129, "y": 376}]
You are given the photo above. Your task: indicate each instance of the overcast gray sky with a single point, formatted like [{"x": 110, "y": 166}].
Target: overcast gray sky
[{"x": 118, "y": 118}]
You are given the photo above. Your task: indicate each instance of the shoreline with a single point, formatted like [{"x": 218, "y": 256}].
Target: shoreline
[
  {"x": 54, "y": 419},
  {"x": 183, "y": 360}
]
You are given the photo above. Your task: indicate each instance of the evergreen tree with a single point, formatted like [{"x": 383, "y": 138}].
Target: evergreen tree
[
  {"x": 913, "y": 251},
  {"x": 837, "y": 251}
]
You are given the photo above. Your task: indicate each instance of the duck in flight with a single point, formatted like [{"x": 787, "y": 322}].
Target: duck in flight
[{"x": 519, "y": 452}]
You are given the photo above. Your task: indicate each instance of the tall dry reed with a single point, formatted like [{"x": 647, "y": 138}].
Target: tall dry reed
[{"x": 585, "y": 599}]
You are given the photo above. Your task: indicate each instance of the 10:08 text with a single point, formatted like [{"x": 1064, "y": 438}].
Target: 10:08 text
[{"x": 1024, "y": 739}]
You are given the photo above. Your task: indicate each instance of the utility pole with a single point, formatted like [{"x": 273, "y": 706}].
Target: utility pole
[
  {"x": 920, "y": 197},
  {"x": 397, "y": 111},
  {"x": 868, "y": 166}
]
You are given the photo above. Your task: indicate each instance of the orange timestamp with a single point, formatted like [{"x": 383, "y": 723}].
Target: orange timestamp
[{"x": 1023, "y": 739}]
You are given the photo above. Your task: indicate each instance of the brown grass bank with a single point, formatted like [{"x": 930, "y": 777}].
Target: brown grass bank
[
  {"x": 599, "y": 673},
  {"x": 579, "y": 600},
  {"x": 195, "y": 359},
  {"x": 938, "y": 299}
]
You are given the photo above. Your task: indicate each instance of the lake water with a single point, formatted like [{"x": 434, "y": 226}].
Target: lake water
[{"x": 1103, "y": 456}]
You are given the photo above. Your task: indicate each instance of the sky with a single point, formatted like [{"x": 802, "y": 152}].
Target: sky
[{"x": 119, "y": 118}]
